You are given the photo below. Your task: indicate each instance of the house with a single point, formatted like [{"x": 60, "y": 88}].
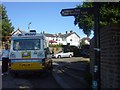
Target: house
[
  {"x": 18, "y": 31},
  {"x": 53, "y": 38},
  {"x": 86, "y": 40},
  {"x": 8, "y": 38},
  {"x": 70, "y": 38}
]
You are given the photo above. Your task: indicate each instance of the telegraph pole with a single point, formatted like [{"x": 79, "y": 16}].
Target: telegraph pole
[{"x": 96, "y": 76}]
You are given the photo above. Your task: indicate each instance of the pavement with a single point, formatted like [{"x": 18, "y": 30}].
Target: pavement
[
  {"x": 58, "y": 79},
  {"x": 55, "y": 74}
]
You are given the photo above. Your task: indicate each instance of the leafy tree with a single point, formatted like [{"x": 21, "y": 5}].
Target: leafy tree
[
  {"x": 82, "y": 42},
  {"x": 109, "y": 14},
  {"x": 7, "y": 27}
]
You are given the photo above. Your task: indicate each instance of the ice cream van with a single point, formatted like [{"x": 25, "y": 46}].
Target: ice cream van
[{"x": 29, "y": 52}]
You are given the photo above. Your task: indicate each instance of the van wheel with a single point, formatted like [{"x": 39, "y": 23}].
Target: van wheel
[
  {"x": 70, "y": 56},
  {"x": 59, "y": 56},
  {"x": 15, "y": 74}
]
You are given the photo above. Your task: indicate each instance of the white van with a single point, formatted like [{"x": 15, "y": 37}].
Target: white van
[{"x": 29, "y": 52}]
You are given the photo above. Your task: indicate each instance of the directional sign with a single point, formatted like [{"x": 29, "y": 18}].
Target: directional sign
[{"x": 75, "y": 11}]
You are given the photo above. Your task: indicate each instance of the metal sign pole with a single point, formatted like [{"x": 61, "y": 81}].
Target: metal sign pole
[
  {"x": 96, "y": 77},
  {"x": 95, "y": 11}
]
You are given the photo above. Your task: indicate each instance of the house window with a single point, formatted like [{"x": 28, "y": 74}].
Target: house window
[
  {"x": 63, "y": 39},
  {"x": 70, "y": 39},
  {"x": 68, "y": 43}
]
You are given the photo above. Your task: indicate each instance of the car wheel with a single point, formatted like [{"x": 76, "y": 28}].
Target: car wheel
[
  {"x": 70, "y": 56},
  {"x": 59, "y": 56}
]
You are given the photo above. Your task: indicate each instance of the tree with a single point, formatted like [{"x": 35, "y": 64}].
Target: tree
[
  {"x": 109, "y": 14},
  {"x": 7, "y": 27},
  {"x": 82, "y": 42}
]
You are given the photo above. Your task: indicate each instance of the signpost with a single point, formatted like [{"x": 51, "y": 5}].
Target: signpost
[
  {"x": 75, "y": 11},
  {"x": 95, "y": 11}
]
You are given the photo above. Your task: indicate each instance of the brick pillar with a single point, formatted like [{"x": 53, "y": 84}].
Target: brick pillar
[{"x": 110, "y": 56}]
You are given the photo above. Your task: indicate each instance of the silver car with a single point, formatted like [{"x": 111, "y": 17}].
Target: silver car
[{"x": 63, "y": 54}]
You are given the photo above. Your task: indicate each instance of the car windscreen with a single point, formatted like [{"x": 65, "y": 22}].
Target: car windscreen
[
  {"x": 26, "y": 44},
  {"x": 60, "y": 52}
]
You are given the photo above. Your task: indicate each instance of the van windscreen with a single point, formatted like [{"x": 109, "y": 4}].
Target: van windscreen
[{"x": 26, "y": 44}]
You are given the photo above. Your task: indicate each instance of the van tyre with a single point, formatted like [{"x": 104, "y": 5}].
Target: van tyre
[
  {"x": 59, "y": 56},
  {"x": 14, "y": 74}
]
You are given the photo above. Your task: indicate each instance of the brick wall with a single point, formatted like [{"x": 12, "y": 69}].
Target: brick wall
[{"x": 110, "y": 56}]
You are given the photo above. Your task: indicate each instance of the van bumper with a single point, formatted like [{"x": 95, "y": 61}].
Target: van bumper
[{"x": 27, "y": 71}]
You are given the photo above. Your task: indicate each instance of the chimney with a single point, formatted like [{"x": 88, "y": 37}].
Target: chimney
[
  {"x": 18, "y": 29},
  {"x": 66, "y": 32},
  {"x": 43, "y": 32},
  {"x": 59, "y": 33},
  {"x": 71, "y": 31}
]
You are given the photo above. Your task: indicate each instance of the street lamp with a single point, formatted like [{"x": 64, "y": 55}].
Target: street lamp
[{"x": 29, "y": 25}]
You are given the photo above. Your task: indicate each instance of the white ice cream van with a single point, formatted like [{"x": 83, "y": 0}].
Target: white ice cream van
[{"x": 29, "y": 52}]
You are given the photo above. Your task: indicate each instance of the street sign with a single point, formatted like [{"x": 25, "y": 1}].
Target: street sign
[{"x": 76, "y": 11}]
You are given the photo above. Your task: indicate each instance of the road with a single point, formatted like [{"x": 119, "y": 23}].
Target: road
[
  {"x": 30, "y": 81},
  {"x": 74, "y": 72},
  {"x": 67, "y": 73}
]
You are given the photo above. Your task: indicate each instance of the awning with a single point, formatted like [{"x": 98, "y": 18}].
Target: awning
[{"x": 52, "y": 41}]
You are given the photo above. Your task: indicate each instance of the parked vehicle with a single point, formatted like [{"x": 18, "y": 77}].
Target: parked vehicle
[
  {"x": 29, "y": 52},
  {"x": 62, "y": 54}
]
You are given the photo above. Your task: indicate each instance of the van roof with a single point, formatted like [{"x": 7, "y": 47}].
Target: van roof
[{"x": 28, "y": 35}]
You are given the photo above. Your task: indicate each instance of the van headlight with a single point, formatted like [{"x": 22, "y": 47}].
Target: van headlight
[
  {"x": 12, "y": 55},
  {"x": 40, "y": 54}
]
